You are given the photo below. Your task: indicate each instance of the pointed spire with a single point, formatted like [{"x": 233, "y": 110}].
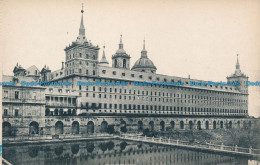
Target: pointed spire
[
  {"x": 121, "y": 42},
  {"x": 103, "y": 59},
  {"x": 237, "y": 65},
  {"x": 82, "y": 28},
  {"x": 104, "y": 51},
  {"x": 144, "y": 45},
  {"x": 144, "y": 52}
]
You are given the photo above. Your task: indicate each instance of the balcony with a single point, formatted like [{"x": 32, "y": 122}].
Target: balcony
[
  {"x": 60, "y": 104},
  {"x": 25, "y": 101}
]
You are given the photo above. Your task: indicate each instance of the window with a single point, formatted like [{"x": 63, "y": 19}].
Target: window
[
  {"x": 16, "y": 112},
  {"x": 80, "y": 71},
  {"x": 16, "y": 95},
  {"x": 34, "y": 95},
  {"x": 114, "y": 72},
  {"x": 124, "y": 63},
  {"x": 5, "y": 112},
  {"x": 60, "y": 90},
  {"x": 5, "y": 94},
  {"x": 94, "y": 72}
]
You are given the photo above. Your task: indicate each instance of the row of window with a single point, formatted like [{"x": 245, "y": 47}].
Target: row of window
[
  {"x": 80, "y": 63},
  {"x": 165, "y": 80},
  {"x": 179, "y": 96},
  {"x": 71, "y": 71},
  {"x": 80, "y": 55},
  {"x": 16, "y": 112},
  {"x": 17, "y": 95},
  {"x": 159, "y": 107},
  {"x": 166, "y": 87},
  {"x": 159, "y": 99}
]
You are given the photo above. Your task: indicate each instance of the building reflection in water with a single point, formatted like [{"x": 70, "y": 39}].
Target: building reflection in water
[{"x": 110, "y": 152}]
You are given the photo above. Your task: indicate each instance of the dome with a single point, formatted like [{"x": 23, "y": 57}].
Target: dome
[{"x": 144, "y": 63}]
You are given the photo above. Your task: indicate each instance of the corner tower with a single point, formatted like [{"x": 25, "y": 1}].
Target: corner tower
[
  {"x": 120, "y": 59},
  {"x": 81, "y": 55},
  {"x": 240, "y": 77}
]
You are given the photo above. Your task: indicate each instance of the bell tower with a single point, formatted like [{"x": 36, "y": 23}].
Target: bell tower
[
  {"x": 81, "y": 55},
  {"x": 240, "y": 77},
  {"x": 120, "y": 59}
]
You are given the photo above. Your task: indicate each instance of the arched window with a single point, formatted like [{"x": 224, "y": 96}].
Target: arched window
[
  {"x": 116, "y": 63},
  {"x": 162, "y": 125},
  {"x": 33, "y": 128},
  {"x": 181, "y": 125},
  {"x": 59, "y": 128}
]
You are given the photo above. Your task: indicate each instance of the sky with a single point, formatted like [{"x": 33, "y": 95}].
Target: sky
[{"x": 200, "y": 38}]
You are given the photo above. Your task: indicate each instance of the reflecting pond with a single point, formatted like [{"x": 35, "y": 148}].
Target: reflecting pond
[{"x": 111, "y": 152}]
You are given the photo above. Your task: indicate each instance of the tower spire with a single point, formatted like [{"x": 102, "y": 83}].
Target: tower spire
[
  {"x": 121, "y": 42},
  {"x": 82, "y": 28},
  {"x": 237, "y": 65},
  {"x": 103, "y": 60},
  {"x": 144, "y": 52}
]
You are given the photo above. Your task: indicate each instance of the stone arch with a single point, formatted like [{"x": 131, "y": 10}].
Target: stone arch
[
  {"x": 162, "y": 126},
  {"x": 244, "y": 124},
  {"x": 199, "y": 125},
  {"x": 214, "y": 124},
  {"x": 90, "y": 127},
  {"x": 103, "y": 127},
  {"x": 69, "y": 111},
  {"x": 61, "y": 112},
  {"x": 221, "y": 124},
  {"x": 181, "y": 125},
  {"x": 230, "y": 124},
  {"x": 151, "y": 126},
  {"x": 6, "y": 129},
  {"x": 190, "y": 125},
  {"x": 123, "y": 145},
  {"x": 58, "y": 128},
  {"x": 90, "y": 147},
  {"x": 56, "y": 112},
  {"x": 75, "y": 148},
  {"x": 172, "y": 123},
  {"x": 75, "y": 128},
  {"x": 47, "y": 112},
  {"x": 33, "y": 151},
  {"x": 33, "y": 128},
  {"x": 58, "y": 150},
  {"x": 140, "y": 126},
  {"x": 123, "y": 126},
  {"x": 207, "y": 124},
  {"x": 238, "y": 124}
]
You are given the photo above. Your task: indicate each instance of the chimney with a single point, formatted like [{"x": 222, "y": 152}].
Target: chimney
[{"x": 62, "y": 66}]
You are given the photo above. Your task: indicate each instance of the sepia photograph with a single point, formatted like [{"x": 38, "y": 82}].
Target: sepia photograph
[{"x": 98, "y": 82}]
